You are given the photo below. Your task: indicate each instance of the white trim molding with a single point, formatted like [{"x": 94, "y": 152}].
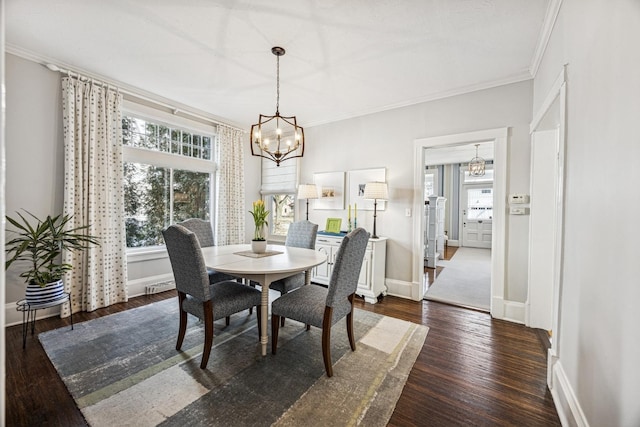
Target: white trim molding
[
  {"x": 569, "y": 410},
  {"x": 557, "y": 95},
  {"x": 400, "y": 288},
  {"x": 500, "y": 139},
  {"x": 550, "y": 18}
]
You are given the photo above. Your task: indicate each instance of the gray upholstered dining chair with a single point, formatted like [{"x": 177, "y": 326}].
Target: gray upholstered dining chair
[
  {"x": 323, "y": 307},
  {"x": 301, "y": 234},
  {"x": 202, "y": 229},
  {"x": 196, "y": 295}
]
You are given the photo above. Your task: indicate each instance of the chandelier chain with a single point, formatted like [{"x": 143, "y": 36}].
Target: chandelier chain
[{"x": 277, "y": 84}]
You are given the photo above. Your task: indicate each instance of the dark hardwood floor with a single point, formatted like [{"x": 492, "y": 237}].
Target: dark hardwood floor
[{"x": 472, "y": 370}]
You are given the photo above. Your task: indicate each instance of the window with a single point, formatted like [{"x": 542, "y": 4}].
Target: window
[
  {"x": 167, "y": 178},
  {"x": 279, "y": 193}
]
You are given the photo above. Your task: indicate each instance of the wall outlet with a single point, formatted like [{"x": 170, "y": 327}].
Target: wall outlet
[{"x": 407, "y": 212}]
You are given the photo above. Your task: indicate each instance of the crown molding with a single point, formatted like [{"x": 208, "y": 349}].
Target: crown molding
[{"x": 550, "y": 18}]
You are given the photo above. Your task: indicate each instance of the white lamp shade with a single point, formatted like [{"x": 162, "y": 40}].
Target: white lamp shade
[
  {"x": 307, "y": 191},
  {"x": 376, "y": 190}
]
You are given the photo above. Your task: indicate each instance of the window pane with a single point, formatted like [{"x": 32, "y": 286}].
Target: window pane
[
  {"x": 164, "y": 139},
  {"x": 136, "y": 132},
  {"x": 487, "y": 177},
  {"x": 186, "y": 144},
  {"x": 282, "y": 213},
  {"x": 191, "y": 195},
  {"x": 480, "y": 203},
  {"x": 175, "y": 141},
  {"x": 146, "y": 203}
]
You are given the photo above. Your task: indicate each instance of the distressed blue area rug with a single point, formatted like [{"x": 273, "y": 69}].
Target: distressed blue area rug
[{"x": 123, "y": 369}]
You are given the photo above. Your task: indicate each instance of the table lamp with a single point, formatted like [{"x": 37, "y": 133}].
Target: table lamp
[
  {"x": 307, "y": 191},
  {"x": 376, "y": 191}
]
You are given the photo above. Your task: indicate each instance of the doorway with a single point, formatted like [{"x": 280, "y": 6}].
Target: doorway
[
  {"x": 459, "y": 207},
  {"x": 499, "y": 137}
]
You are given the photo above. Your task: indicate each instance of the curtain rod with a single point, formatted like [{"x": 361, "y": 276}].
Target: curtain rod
[{"x": 174, "y": 110}]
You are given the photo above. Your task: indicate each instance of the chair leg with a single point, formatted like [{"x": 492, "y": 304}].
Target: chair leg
[
  {"x": 352, "y": 340},
  {"x": 183, "y": 321},
  {"x": 326, "y": 340},
  {"x": 282, "y": 317},
  {"x": 259, "y": 314},
  {"x": 275, "y": 327},
  {"x": 208, "y": 333}
]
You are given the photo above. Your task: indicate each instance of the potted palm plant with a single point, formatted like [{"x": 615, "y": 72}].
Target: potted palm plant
[
  {"x": 259, "y": 213},
  {"x": 38, "y": 244}
]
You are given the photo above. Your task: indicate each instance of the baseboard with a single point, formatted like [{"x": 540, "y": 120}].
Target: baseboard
[
  {"x": 511, "y": 311},
  {"x": 402, "y": 289},
  {"x": 567, "y": 405},
  {"x": 14, "y": 317},
  {"x": 135, "y": 288}
]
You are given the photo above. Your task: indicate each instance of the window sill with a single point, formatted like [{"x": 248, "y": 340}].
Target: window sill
[{"x": 146, "y": 254}]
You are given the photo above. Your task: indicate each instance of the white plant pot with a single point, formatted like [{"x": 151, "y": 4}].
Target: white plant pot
[
  {"x": 36, "y": 294},
  {"x": 258, "y": 246}
]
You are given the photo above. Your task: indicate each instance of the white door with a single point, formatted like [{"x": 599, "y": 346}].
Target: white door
[
  {"x": 477, "y": 215},
  {"x": 542, "y": 227}
]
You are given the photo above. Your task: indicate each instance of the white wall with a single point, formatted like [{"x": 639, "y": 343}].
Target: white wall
[
  {"x": 34, "y": 147},
  {"x": 386, "y": 140},
  {"x": 598, "y": 370}
]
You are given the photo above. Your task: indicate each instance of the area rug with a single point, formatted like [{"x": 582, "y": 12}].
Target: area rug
[
  {"x": 123, "y": 369},
  {"x": 465, "y": 279}
]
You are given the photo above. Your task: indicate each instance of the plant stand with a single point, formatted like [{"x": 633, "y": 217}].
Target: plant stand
[{"x": 29, "y": 310}]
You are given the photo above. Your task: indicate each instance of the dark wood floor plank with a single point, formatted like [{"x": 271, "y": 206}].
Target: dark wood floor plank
[{"x": 472, "y": 370}]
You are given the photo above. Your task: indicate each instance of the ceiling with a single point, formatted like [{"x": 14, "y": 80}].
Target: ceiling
[{"x": 344, "y": 58}]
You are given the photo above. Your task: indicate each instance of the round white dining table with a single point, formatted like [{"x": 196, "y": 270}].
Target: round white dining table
[{"x": 278, "y": 262}]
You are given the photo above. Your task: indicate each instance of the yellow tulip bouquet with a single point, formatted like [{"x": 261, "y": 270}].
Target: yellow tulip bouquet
[{"x": 259, "y": 218}]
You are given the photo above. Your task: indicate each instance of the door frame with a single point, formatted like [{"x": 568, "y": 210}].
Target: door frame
[
  {"x": 500, "y": 139},
  {"x": 552, "y": 112}
]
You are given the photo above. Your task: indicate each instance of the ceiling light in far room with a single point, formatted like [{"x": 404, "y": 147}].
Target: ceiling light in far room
[
  {"x": 477, "y": 165},
  {"x": 277, "y": 137}
]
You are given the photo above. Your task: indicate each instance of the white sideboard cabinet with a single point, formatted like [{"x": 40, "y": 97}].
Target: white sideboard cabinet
[{"x": 371, "y": 281}]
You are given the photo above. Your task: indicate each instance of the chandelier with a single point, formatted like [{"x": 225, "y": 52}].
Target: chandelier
[
  {"x": 276, "y": 137},
  {"x": 476, "y": 165}
]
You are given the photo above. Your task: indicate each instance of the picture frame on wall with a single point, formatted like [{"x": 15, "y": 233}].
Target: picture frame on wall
[
  {"x": 357, "y": 180},
  {"x": 330, "y": 190}
]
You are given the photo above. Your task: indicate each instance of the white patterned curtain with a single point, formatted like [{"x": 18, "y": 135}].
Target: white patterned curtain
[
  {"x": 230, "y": 215},
  {"x": 93, "y": 193}
]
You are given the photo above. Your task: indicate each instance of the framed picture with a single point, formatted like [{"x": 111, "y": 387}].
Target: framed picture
[
  {"x": 333, "y": 225},
  {"x": 330, "y": 190},
  {"x": 357, "y": 180}
]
